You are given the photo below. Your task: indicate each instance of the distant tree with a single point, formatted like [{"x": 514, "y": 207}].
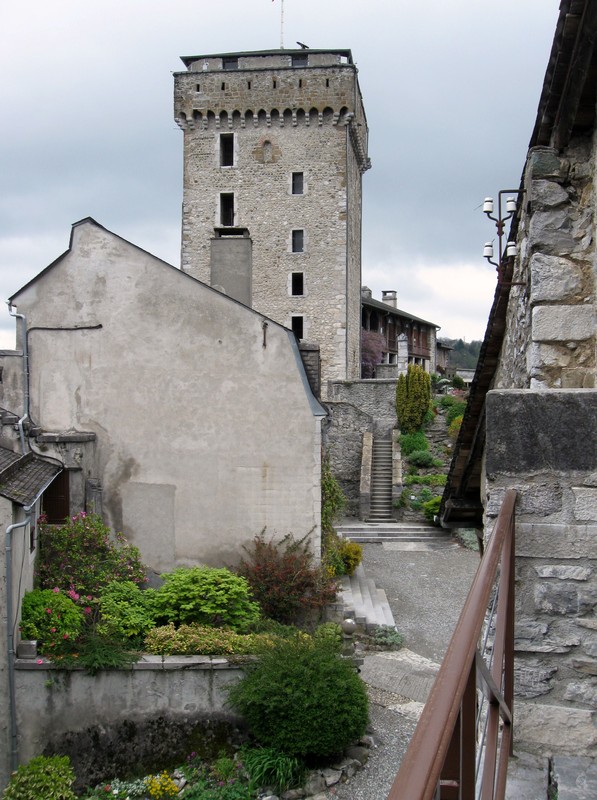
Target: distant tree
[
  {"x": 464, "y": 355},
  {"x": 372, "y": 346}
]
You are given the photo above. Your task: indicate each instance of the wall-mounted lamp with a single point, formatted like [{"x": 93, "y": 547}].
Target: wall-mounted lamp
[{"x": 509, "y": 251}]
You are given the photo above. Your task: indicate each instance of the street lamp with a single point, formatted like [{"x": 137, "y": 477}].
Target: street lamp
[{"x": 509, "y": 251}]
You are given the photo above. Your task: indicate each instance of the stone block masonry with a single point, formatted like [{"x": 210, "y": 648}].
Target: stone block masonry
[
  {"x": 544, "y": 445},
  {"x": 275, "y": 145}
]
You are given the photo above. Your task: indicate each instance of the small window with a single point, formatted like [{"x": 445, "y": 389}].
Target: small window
[
  {"x": 275, "y": 83},
  {"x": 298, "y": 241},
  {"x": 300, "y": 83},
  {"x": 297, "y": 326},
  {"x": 248, "y": 84},
  {"x": 300, "y": 60},
  {"x": 223, "y": 86},
  {"x": 297, "y": 183},
  {"x": 327, "y": 83},
  {"x": 226, "y": 149},
  {"x": 227, "y": 209},
  {"x": 230, "y": 62},
  {"x": 198, "y": 87},
  {"x": 297, "y": 286}
]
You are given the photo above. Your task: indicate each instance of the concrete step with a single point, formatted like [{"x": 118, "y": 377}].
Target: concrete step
[
  {"x": 575, "y": 777},
  {"x": 364, "y": 602}
]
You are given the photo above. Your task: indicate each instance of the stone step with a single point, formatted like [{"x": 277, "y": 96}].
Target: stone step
[
  {"x": 363, "y": 601},
  {"x": 575, "y": 777}
]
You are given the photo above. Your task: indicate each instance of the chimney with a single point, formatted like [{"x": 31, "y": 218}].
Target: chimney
[
  {"x": 390, "y": 298},
  {"x": 366, "y": 293}
]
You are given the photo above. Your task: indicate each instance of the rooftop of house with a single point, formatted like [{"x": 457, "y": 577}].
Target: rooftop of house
[
  {"x": 389, "y": 307},
  {"x": 22, "y": 477}
]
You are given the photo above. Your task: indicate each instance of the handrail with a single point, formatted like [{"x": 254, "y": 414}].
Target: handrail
[{"x": 440, "y": 761}]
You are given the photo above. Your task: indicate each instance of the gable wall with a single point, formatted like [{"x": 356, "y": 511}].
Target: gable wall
[{"x": 204, "y": 436}]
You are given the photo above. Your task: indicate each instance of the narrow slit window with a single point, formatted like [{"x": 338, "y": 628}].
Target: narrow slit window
[
  {"x": 297, "y": 284},
  {"x": 300, "y": 83},
  {"x": 226, "y": 149},
  {"x": 227, "y": 209},
  {"x": 298, "y": 183},
  {"x": 327, "y": 83},
  {"x": 223, "y": 87},
  {"x": 248, "y": 84},
  {"x": 297, "y": 327},
  {"x": 298, "y": 241},
  {"x": 198, "y": 87},
  {"x": 275, "y": 83}
]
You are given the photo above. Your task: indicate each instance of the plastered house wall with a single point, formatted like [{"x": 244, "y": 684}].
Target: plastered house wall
[{"x": 206, "y": 432}]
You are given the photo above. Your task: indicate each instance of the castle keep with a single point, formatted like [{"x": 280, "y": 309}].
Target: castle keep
[{"x": 275, "y": 144}]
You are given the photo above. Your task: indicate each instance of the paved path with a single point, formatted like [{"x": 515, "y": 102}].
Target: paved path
[{"x": 426, "y": 585}]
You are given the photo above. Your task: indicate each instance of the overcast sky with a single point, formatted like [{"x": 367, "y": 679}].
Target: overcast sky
[{"x": 451, "y": 89}]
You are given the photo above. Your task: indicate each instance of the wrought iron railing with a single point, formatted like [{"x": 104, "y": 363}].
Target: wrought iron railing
[{"x": 462, "y": 743}]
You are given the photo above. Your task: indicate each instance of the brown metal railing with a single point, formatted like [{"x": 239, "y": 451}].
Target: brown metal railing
[{"x": 441, "y": 762}]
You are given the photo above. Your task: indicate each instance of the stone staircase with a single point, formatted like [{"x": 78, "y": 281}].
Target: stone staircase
[
  {"x": 368, "y": 533},
  {"x": 381, "y": 480},
  {"x": 364, "y": 602}
]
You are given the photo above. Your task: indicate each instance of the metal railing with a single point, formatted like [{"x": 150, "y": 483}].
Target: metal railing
[{"x": 462, "y": 743}]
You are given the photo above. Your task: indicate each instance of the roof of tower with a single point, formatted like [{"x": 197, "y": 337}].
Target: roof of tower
[{"x": 343, "y": 53}]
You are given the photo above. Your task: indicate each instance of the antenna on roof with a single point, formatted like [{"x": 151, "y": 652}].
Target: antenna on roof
[{"x": 281, "y": 24}]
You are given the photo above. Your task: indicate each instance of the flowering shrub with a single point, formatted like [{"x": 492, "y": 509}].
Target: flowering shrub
[
  {"x": 188, "y": 640},
  {"x": 161, "y": 786},
  {"x": 52, "y": 618},
  {"x": 84, "y": 555},
  {"x": 207, "y": 596},
  {"x": 284, "y": 579}
]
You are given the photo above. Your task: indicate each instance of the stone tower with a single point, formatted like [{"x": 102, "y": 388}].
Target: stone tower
[{"x": 275, "y": 144}]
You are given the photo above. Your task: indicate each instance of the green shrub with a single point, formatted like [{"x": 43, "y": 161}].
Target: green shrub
[
  {"x": 413, "y": 398},
  {"x": 52, "y": 618},
  {"x": 458, "y": 382},
  {"x": 206, "y": 595},
  {"x": 423, "y": 459},
  {"x": 426, "y": 480},
  {"x": 409, "y": 442},
  {"x": 340, "y": 556},
  {"x": 85, "y": 556},
  {"x": 126, "y": 612},
  {"x": 333, "y": 499},
  {"x": 387, "y": 637},
  {"x": 351, "y": 554},
  {"x": 329, "y": 633},
  {"x": 431, "y": 508},
  {"x": 43, "y": 778},
  {"x": 95, "y": 652},
  {"x": 269, "y": 767},
  {"x": 455, "y": 410},
  {"x": 284, "y": 579},
  {"x": 302, "y": 699},
  {"x": 203, "y": 640}
]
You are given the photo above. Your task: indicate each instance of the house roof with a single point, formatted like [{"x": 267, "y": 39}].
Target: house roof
[
  {"x": 566, "y": 108},
  {"x": 23, "y": 477},
  {"x": 397, "y": 312}
]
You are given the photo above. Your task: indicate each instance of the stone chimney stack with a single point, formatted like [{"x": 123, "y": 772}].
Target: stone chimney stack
[
  {"x": 366, "y": 293},
  {"x": 390, "y": 298}
]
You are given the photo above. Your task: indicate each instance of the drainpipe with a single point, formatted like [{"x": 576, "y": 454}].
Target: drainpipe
[
  {"x": 25, "y": 416},
  {"x": 14, "y": 747}
]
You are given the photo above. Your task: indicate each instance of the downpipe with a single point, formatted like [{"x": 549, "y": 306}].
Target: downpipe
[{"x": 26, "y": 404}]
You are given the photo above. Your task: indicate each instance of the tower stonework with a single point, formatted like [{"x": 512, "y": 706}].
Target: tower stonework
[{"x": 275, "y": 144}]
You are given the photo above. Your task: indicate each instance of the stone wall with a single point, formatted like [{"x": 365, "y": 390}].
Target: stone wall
[
  {"x": 548, "y": 453},
  {"x": 71, "y": 711},
  {"x": 375, "y": 397},
  {"x": 550, "y": 338},
  {"x": 343, "y": 442}
]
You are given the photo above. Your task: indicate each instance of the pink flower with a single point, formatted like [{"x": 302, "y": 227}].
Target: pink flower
[
  {"x": 65, "y": 635},
  {"x": 56, "y": 590},
  {"x": 52, "y": 630},
  {"x": 39, "y": 661},
  {"x": 48, "y": 610},
  {"x": 87, "y": 610},
  {"x": 72, "y": 594}
]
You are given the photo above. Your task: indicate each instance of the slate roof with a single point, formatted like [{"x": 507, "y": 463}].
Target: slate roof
[
  {"x": 397, "y": 312},
  {"x": 22, "y": 478}
]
